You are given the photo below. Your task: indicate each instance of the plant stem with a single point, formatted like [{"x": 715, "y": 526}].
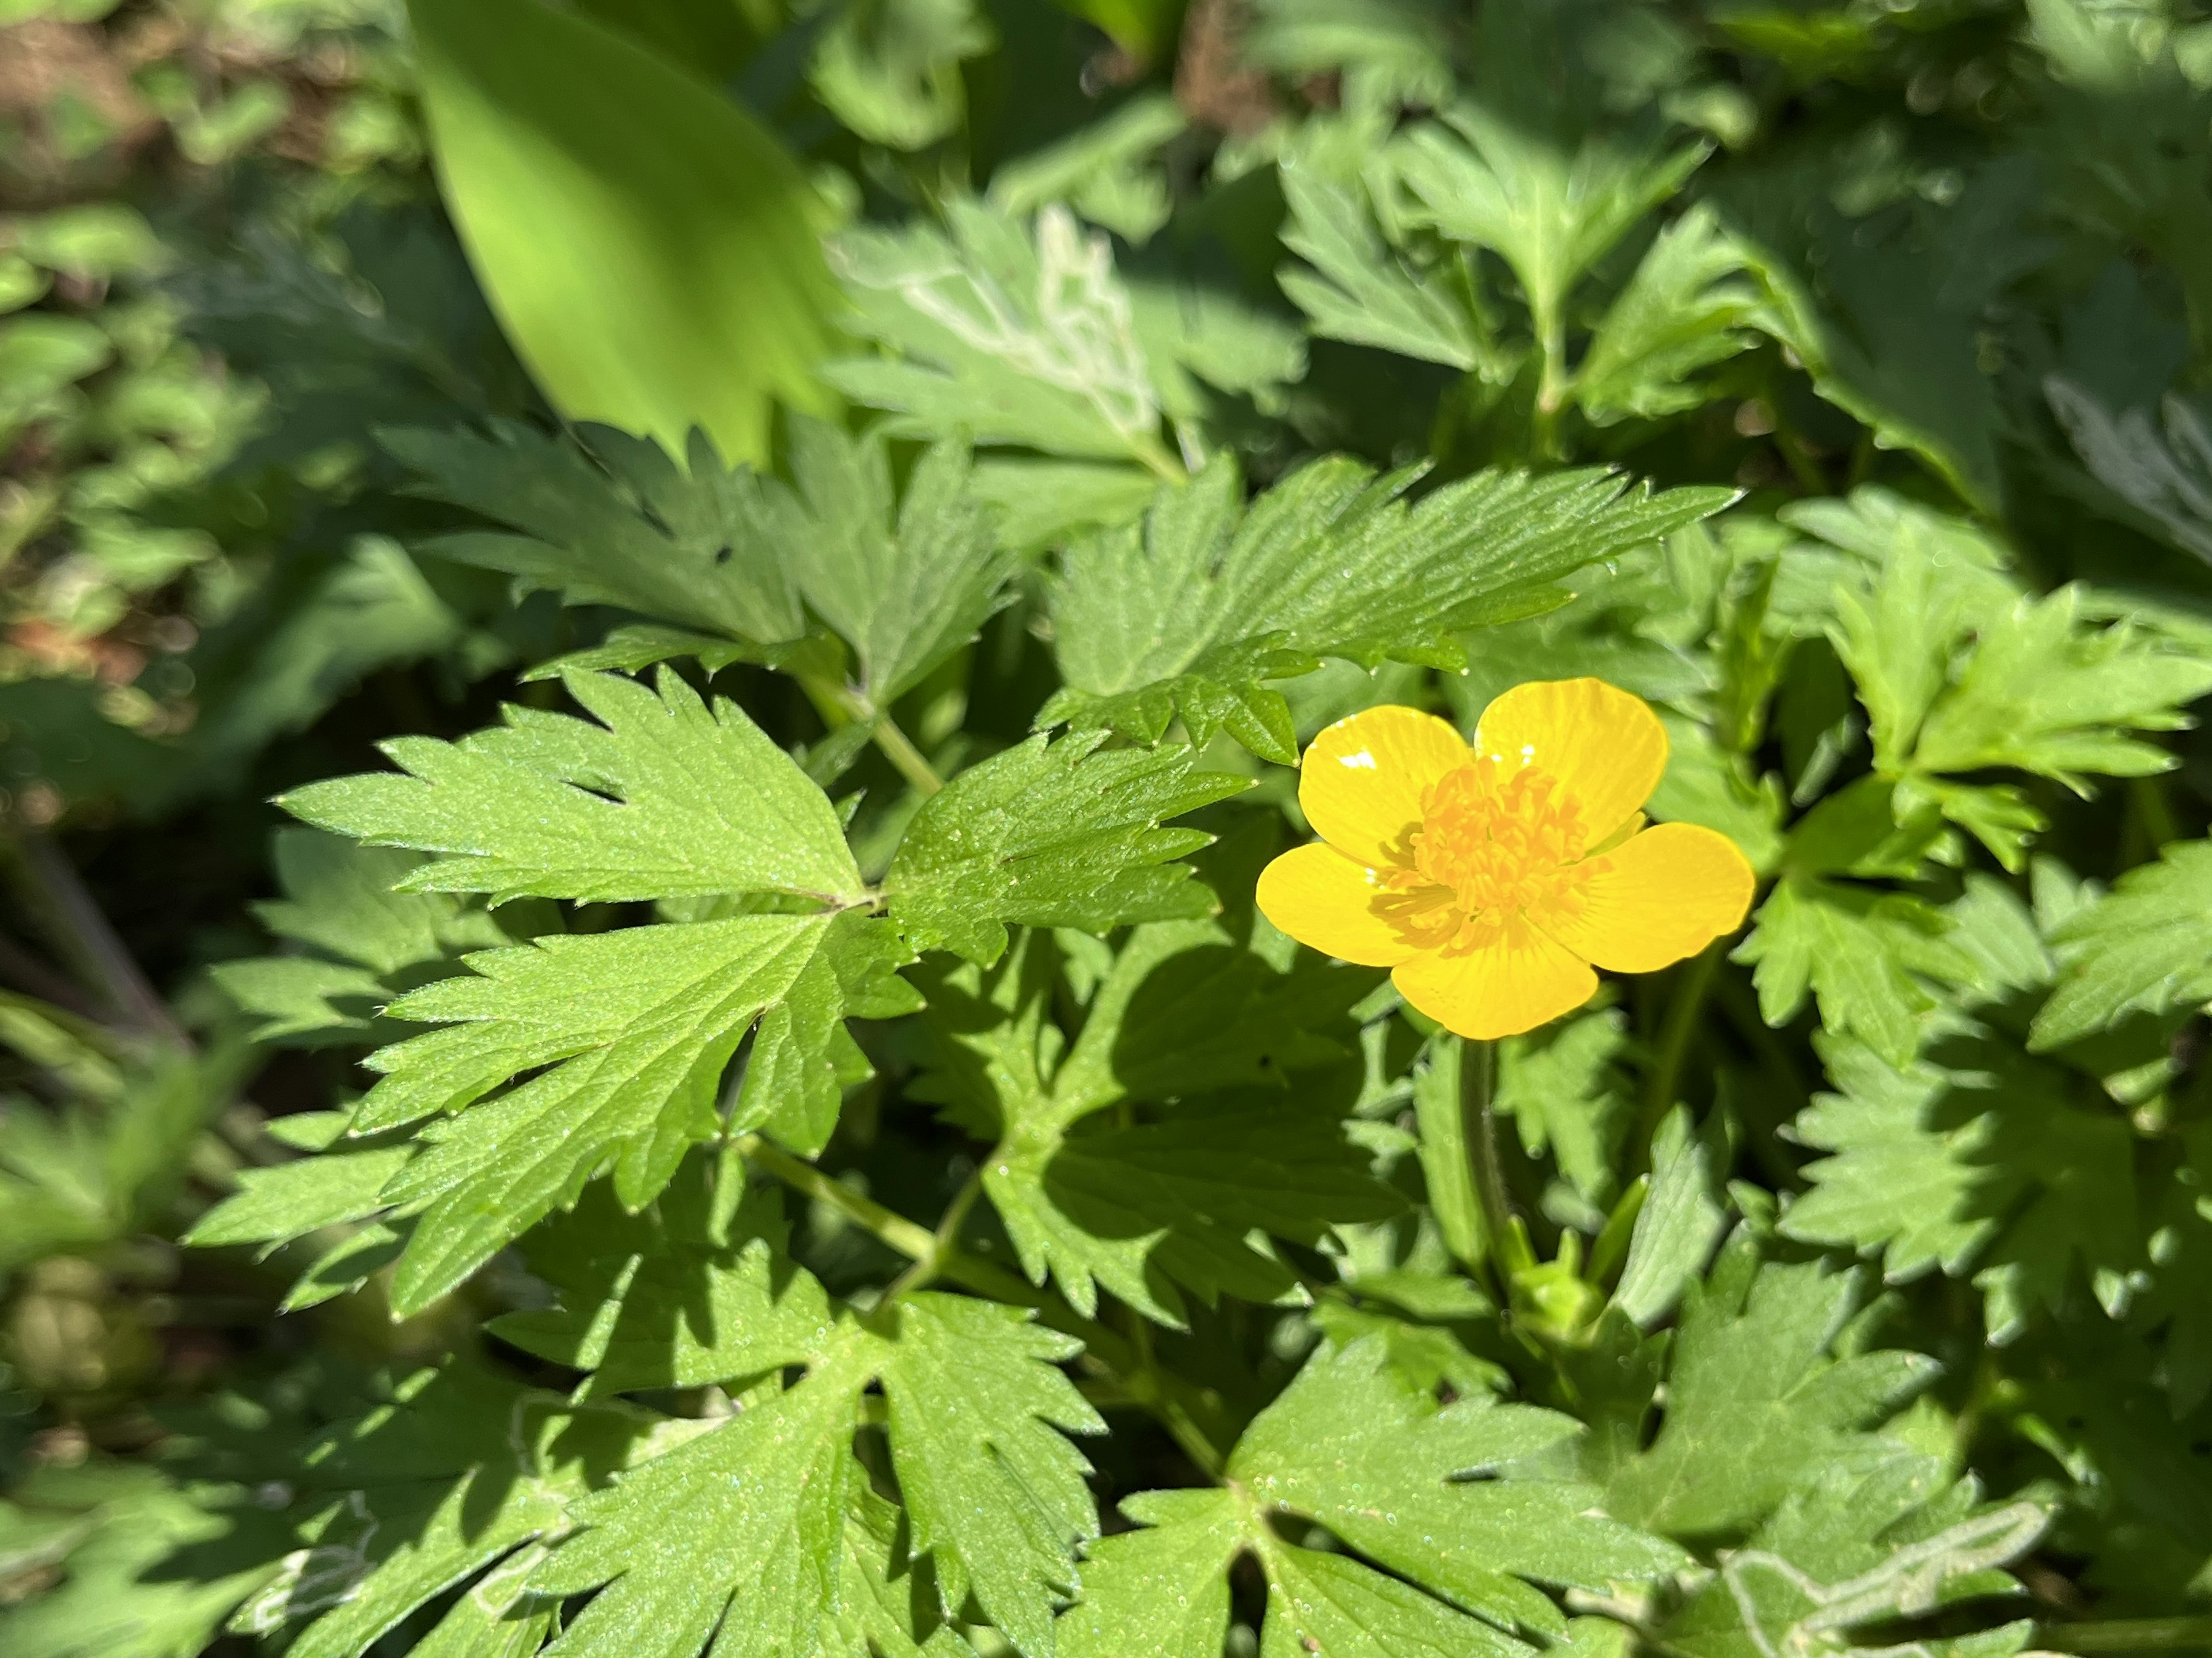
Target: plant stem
[
  {"x": 901, "y": 1234},
  {"x": 1548, "y": 314},
  {"x": 1478, "y": 1072},
  {"x": 1446, "y": 1163},
  {"x": 80, "y": 932},
  {"x": 1173, "y": 1402},
  {"x": 900, "y": 751},
  {"x": 944, "y": 1242},
  {"x": 840, "y": 706},
  {"x": 1675, "y": 1035},
  {"x": 2128, "y": 1635}
]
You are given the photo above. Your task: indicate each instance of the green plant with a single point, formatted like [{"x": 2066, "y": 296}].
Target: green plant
[{"x": 784, "y": 1125}]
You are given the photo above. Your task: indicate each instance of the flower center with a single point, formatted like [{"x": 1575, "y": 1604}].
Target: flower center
[{"x": 1495, "y": 841}]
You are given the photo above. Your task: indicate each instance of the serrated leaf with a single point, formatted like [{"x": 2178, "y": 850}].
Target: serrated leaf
[
  {"x": 1051, "y": 835},
  {"x": 1014, "y": 339},
  {"x": 288, "y": 1200},
  {"x": 738, "y": 1530},
  {"x": 1681, "y": 313},
  {"x": 905, "y": 586},
  {"x": 639, "y": 805},
  {"x": 1755, "y": 1403},
  {"x": 451, "y": 1474},
  {"x": 637, "y": 1027},
  {"x": 1859, "y": 1547},
  {"x": 608, "y": 519},
  {"x": 1980, "y": 1160},
  {"x": 1865, "y": 953},
  {"x": 1549, "y": 214},
  {"x": 367, "y": 938},
  {"x": 891, "y": 74},
  {"x": 699, "y": 1288},
  {"x": 995, "y": 1491},
  {"x": 1355, "y": 1445},
  {"x": 2161, "y": 470},
  {"x": 1192, "y": 609},
  {"x": 1363, "y": 290},
  {"x": 2142, "y": 946}
]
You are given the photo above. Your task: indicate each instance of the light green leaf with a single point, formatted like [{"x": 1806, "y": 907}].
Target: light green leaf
[
  {"x": 1009, "y": 338},
  {"x": 1355, "y": 1445},
  {"x": 1549, "y": 214},
  {"x": 2144, "y": 946},
  {"x": 1681, "y": 313},
  {"x": 699, "y": 1288},
  {"x": 1754, "y": 1404},
  {"x": 637, "y": 1027},
  {"x": 645, "y": 242},
  {"x": 1863, "y": 952},
  {"x": 1363, "y": 290},
  {"x": 891, "y": 72},
  {"x": 1101, "y": 171},
  {"x": 906, "y": 586},
  {"x": 995, "y": 1492},
  {"x": 739, "y": 1529},
  {"x": 608, "y": 519},
  {"x": 1058, "y": 834},
  {"x": 1984, "y": 1161},
  {"x": 637, "y": 806},
  {"x": 1192, "y": 610}
]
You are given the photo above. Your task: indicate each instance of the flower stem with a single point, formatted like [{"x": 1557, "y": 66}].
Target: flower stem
[
  {"x": 1675, "y": 1035},
  {"x": 1478, "y": 1079}
]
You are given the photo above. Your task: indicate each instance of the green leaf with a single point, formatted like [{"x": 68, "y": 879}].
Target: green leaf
[
  {"x": 1051, "y": 835},
  {"x": 637, "y": 806},
  {"x": 1859, "y": 1548},
  {"x": 1549, "y": 214},
  {"x": 645, "y": 241},
  {"x": 1563, "y": 1088},
  {"x": 340, "y": 903},
  {"x": 1754, "y": 1404},
  {"x": 1865, "y": 953},
  {"x": 1982, "y": 1161},
  {"x": 1682, "y": 1218},
  {"x": 905, "y": 586},
  {"x": 288, "y": 1200},
  {"x": 1190, "y": 611},
  {"x": 995, "y": 1493},
  {"x": 891, "y": 72},
  {"x": 698, "y": 1288},
  {"x": 1681, "y": 313},
  {"x": 1102, "y": 171},
  {"x": 637, "y": 1027},
  {"x": 1012, "y": 339},
  {"x": 2160, "y": 474},
  {"x": 2143, "y": 947},
  {"x": 738, "y": 1530},
  {"x": 607, "y": 518},
  {"x": 1363, "y": 290},
  {"x": 1356, "y": 1446},
  {"x": 454, "y": 1473}
]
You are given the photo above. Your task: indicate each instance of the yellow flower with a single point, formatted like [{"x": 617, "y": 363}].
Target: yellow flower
[{"x": 1490, "y": 879}]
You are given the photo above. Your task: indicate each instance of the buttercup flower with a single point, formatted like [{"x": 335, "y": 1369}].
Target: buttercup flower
[{"x": 1490, "y": 879}]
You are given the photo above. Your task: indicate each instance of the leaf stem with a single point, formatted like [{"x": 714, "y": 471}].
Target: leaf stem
[
  {"x": 840, "y": 706},
  {"x": 944, "y": 1242},
  {"x": 1676, "y": 1033},
  {"x": 1175, "y": 1403},
  {"x": 1156, "y": 460},
  {"x": 2128, "y": 1635},
  {"x": 1548, "y": 315},
  {"x": 914, "y": 1241},
  {"x": 900, "y": 751}
]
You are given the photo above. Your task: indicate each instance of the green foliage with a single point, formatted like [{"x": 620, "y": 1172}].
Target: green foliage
[{"x": 775, "y": 1125}]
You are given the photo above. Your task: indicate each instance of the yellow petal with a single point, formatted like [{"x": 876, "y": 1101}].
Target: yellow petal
[
  {"x": 1362, "y": 780},
  {"x": 1663, "y": 894},
  {"x": 1606, "y": 747},
  {"x": 1523, "y": 981},
  {"x": 1321, "y": 898}
]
